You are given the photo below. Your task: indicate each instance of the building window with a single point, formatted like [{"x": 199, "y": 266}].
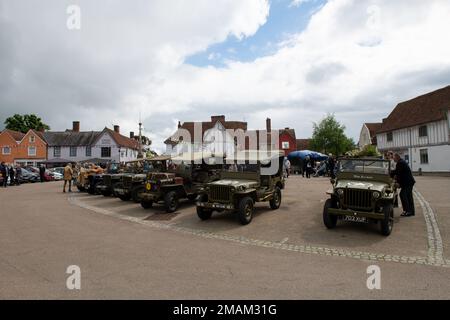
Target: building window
[
  {"x": 32, "y": 139},
  {"x": 6, "y": 150},
  {"x": 285, "y": 145},
  {"x": 31, "y": 151},
  {"x": 73, "y": 151},
  {"x": 57, "y": 152},
  {"x": 106, "y": 152},
  {"x": 424, "y": 156},
  {"x": 389, "y": 137},
  {"x": 423, "y": 131},
  {"x": 88, "y": 151}
]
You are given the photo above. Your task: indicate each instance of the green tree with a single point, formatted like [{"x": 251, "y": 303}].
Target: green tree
[
  {"x": 23, "y": 123},
  {"x": 329, "y": 137}
]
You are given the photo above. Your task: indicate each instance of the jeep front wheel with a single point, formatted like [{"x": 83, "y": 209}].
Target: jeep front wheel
[
  {"x": 387, "y": 224},
  {"x": 124, "y": 197},
  {"x": 203, "y": 213},
  {"x": 171, "y": 201},
  {"x": 146, "y": 204},
  {"x": 245, "y": 210},
  {"x": 329, "y": 220},
  {"x": 135, "y": 193},
  {"x": 275, "y": 202}
]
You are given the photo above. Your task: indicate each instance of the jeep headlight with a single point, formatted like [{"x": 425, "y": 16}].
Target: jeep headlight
[
  {"x": 340, "y": 192},
  {"x": 376, "y": 194},
  {"x": 240, "y": 188}
]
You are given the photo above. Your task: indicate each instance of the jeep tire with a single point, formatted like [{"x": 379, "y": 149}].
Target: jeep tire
[
  {"x": 387, "y": 224},
  {"x": 146, "y": 204},
  {"x": 275, "y": 202},
  {"x": 245, "y": 210},
  {"x": 171, "y": 201},
  {"x": 135, "y": 193},
  {"x": 329, "y": 220},
  {"x": 203, "y": 213},
  {"x": 124, "y": 197}
]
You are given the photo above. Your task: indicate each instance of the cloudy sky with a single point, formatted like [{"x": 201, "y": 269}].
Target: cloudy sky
[{"x": 168, "y": 60}]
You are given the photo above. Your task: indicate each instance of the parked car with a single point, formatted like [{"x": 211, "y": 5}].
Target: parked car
[
  {"x": 56, "y": 175},
  {"x": 256, "y": 176},
  {"x": 363, "y": 192},
  {"x": 29, "y": 176}
]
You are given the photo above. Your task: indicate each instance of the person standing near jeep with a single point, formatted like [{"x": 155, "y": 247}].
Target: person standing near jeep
[
  {"x": 42, "y": 172},
  {"x": 3, "y": 171},
  {"x": 68, "y": 172},
  {"x": 405, "y": 179}
]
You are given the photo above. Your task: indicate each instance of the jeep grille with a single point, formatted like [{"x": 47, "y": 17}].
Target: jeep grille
[
  {"x": 219, "y": 193},
  {"x": 127, "y": 181},
  {"x": 107, "y": 180},
  {"x": 357, "y": 199}
]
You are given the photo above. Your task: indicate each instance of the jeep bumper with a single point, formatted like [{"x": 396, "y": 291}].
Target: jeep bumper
[
  {"x": 215, "y": 205},
  {"x": 355, "y": 213},
  {"x": 121, "y": 191},
  {"x": 146, "y": 196}
]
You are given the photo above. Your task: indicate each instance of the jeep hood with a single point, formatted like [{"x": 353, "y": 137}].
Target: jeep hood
[
  {"x": 235, "y": 183},
  {"x": 365, "y": 185}
]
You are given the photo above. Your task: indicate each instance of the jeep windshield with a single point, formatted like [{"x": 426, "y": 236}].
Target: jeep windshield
[{"x": 364, "y": 166}]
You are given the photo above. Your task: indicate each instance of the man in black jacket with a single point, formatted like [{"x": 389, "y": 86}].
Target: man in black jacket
[
  {"x": 4, "y": 172},
  {"x": 405, "y": 179}
]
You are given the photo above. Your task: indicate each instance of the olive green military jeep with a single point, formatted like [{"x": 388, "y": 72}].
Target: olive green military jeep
[
  {"x": 185, "y": 178},
  {"x": 252, "y": 176},
  {"x": 363, "y": 192},
  {"x": 132, "y": 182}
]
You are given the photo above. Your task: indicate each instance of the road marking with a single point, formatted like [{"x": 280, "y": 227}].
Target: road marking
[
  {"x": 368, "y": 256},
  {"x": 435, "y": 245}
]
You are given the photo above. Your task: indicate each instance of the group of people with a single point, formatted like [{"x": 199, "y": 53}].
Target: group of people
[
  {"x": 14, "y": 174},
  {"x": 310, "y": 167},
  {"x": 402, "y": 174}
]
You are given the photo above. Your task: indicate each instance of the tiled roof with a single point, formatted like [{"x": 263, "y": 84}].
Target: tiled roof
[
  {"x": 373, "y": 129},
  {"x": 122, "y": 140},
  {"x": 16, "y": 135},
  {"x": 70, "y": 138},
  {"x": 289, "y": 131},
  {"x": 427, "y": 108},
  {"x": 189, "y": 126}
]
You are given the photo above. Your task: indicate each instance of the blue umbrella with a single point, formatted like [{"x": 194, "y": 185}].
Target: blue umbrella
[{"x": 302, "y": 154}]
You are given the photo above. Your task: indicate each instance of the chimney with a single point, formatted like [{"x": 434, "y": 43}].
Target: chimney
[
  {"x": 76, "y": 126},
  {"x": 179, "y": 124},
  {"x": 131, "y": 135},
  {"x": 268, "y": 125},
  {"x": 220, "y": 118},
  {"x": 117, "y": 129}
]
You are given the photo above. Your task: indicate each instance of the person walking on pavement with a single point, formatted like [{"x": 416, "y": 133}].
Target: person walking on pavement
[
  {"x": 309, "y": 166},
  {"x": 405, "y": 179},
  {"x": 331, "y": 166},
  {"x": 18, "y": 174},
  {"x": 42, "y": 172},
  {"x": 11, "y": 175},
  {"x": 68, "y": 173},
  {"x": 4, "y": 172}
]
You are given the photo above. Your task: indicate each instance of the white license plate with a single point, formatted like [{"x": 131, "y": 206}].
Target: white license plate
[
  {"x": 355, "y": 219},
  {"x": 219, "y": 206}
]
